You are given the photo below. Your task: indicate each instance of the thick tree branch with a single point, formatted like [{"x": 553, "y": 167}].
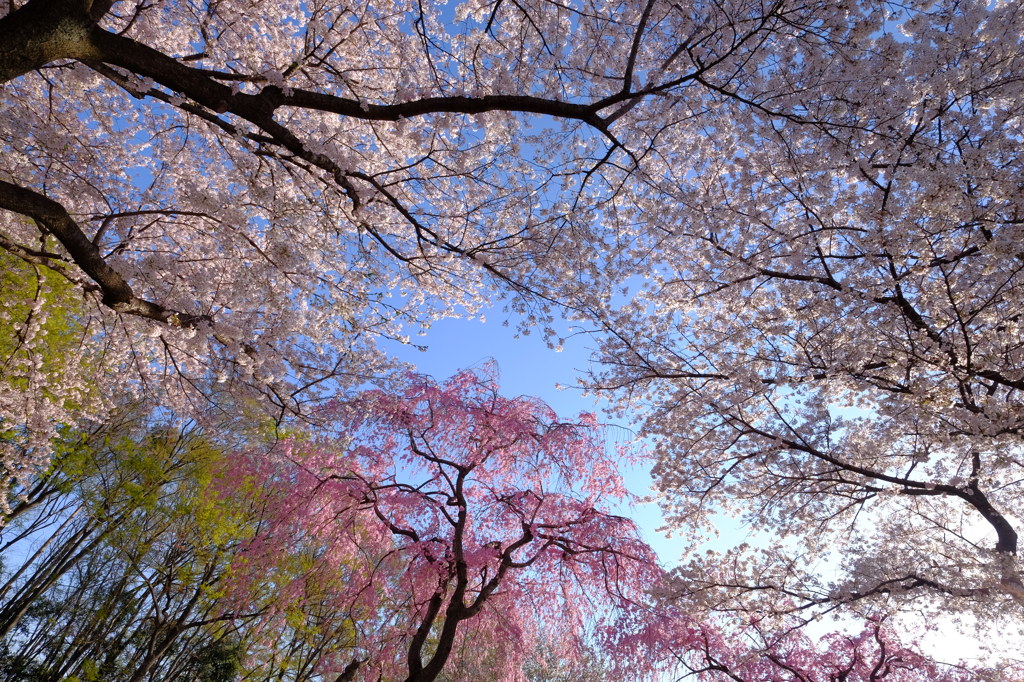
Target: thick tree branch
[
  {"x": 117, "y": 293},
  {"x": 43, "y": 31},
  {"x": 146, "y": 62}
]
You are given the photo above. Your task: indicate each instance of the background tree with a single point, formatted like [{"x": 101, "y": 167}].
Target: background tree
[
  {"x": 445, "y": 515},
  {"x": 874, "y": 653},
  {"x": 115, "y": 574},
  {"x": 545, "y": 665}
]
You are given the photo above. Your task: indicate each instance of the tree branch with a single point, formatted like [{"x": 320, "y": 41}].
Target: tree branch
[{"x": 117, "y": 294}]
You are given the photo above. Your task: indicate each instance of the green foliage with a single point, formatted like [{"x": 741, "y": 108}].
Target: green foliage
[
  {"x": 41, "y": 324},
  {"x": 130, "y": 581}
]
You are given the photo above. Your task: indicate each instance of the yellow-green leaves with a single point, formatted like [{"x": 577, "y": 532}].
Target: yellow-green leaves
[{"x": 41, "y": 328}]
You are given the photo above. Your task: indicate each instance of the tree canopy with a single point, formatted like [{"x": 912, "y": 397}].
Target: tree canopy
[{"x": 793, "y": 229}]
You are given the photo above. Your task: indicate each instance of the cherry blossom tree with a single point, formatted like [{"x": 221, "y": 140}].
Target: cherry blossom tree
[
  {"x": 443, "y": 522},
  {"x": 830, "y": 334},
  {"x": 245, "y": 196},
  {"x": 874, "y": 653}
]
